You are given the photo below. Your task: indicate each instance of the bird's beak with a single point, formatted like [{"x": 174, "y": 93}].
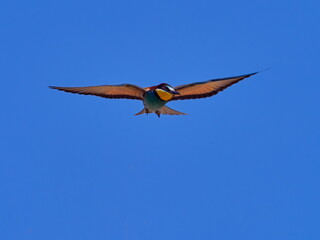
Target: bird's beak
[{"x": 175, "y": 92}]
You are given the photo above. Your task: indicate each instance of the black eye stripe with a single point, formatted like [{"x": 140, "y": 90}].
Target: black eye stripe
[{"x": 164, "y": 87}]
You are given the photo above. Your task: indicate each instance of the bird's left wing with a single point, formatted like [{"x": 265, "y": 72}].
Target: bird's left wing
[
  {"x": 207, "y": 88},
  {"x": 128, "y": 91}
]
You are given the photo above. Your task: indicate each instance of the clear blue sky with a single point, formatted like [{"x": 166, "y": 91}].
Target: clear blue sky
[{"x": 243, "y": 164}]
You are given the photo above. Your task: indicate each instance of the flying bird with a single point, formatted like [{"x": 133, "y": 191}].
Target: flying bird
[{"x": 155, "y": 98}]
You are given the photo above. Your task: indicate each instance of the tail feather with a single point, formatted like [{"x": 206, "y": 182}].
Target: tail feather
[
  {"x": 164, "y": 110},
  {"x": 141, "y": 112},
  {"x": 170, "y": 111}
]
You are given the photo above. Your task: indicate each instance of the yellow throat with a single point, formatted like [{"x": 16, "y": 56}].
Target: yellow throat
[{"x": 165, "y": 96}]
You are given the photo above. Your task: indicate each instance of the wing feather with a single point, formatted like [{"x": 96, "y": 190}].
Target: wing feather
[
  {"x": 207, "y": 88},
  {"x": 128, "y": 91}
]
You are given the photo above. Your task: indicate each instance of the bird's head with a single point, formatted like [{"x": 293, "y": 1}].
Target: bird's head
[{"x": 165, "y": 91}]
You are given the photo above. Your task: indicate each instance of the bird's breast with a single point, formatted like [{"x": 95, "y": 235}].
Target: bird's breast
[{"x": 152, "y": 101}]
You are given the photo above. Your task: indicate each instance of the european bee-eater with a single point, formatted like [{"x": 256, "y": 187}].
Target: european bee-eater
[{"x": 155, "y": 98}]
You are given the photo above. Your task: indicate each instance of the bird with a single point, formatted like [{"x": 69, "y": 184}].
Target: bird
[{"x": 156, "y": 97}]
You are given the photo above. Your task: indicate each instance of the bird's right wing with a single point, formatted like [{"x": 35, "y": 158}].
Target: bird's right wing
[
  {"x": 206, "y": 88},
  {"x": 128, "y": 91}
]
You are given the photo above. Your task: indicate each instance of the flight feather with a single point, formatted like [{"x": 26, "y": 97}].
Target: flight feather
[
  {"x": 128, "y": 91},
  {"x": 206, "y": 88}
]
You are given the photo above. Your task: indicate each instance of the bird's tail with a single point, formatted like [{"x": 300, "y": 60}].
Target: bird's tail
[
  {"x": 170, "y": 111},
  {"x": 164, "y": 110},
  {"x": 142, "y": 112}
]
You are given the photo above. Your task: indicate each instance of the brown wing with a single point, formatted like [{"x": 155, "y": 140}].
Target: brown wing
[
  {"x": 128, "y": 91},
  {"x": 207, "y": 88}
]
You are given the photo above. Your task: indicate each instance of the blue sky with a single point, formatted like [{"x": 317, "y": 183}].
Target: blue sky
[{"x": 243, "y": 164}]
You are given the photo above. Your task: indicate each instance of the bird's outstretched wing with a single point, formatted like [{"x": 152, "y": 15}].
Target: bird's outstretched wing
[
  {"x": 206, "y": 88},
  {"x": 128, "y": 91}
]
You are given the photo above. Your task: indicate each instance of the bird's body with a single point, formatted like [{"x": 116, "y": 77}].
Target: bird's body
[
  {"x": 155, "y": 98},
  {"x": 153, "y": 102}
]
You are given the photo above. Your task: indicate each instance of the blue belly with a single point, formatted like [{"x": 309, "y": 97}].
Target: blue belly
[{"x": 152, "y": 102}]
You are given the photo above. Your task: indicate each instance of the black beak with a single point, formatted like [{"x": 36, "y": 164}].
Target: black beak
[{"x": 175, "y": 92}]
